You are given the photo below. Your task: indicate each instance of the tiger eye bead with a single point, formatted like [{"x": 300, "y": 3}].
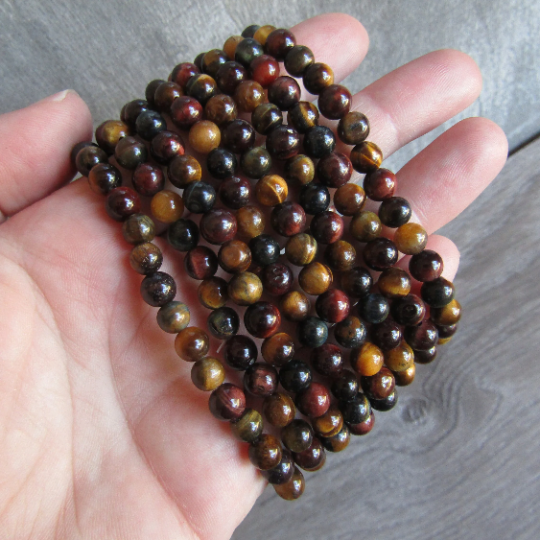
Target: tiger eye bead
[
  {"x": 313, "y": 458},
  {"x": 447, "y": 315},
  {"x": 437, "y": 293},
  {"x": 426, "y": 266},
  {"x": 297, "y": 436},
  {"x": 149, "y": 123},
  {"x": 138, "y": 228},
  {"x": 271, "y": 190},
  {"x": 409, "y": 310},
  {"x": 146, "y": 258},
  {"x": 283, "y": 142},
  {"x": 319, "y": 141},
  {"x": 327, "y": 227},
  {"x": 374, "y": 308},
  {"x": 340, "y": 255},
  {"x": 295, "y": 376},
  {"x": 165, "y": 95},
  {"x": 221, "y": 163},
  {"x": 240, "y": 352},
  {"x": 315, "y": 278},
  {"x": 380, "y": 254},
  {"x": 238, "y": 136},
  {"x": 380, "y": 385},
  {"x": 363, "y": 428},
  {"x": 131, "y": 110},
  {"x": 256, "y": 162},
  {"x": 121, "y": 203},
  {"x": 446, "y": 332},
  {"x": 277, "y": 279},
  {"x": 399, "y": 358},
  {"x": 366, "y": 157},
  {"x": 208, "y": 374},
  {"x": 335, "y": 101},
  {"x": 200, "y": 263},
  {"x": 395, "y": 212},
  {"x": 234, "y": 256},
  {"x": 198, "y": 60},
  {"x": 281, "y": 473},
  {"x": 411, "y": 238},
  {"x": 183, "y": 170},
  {"x": 350, "y": 332},
  {"x": 199, "y": 197},
  {"x": 158, "y": 289},
  {"x": 150, "y": 90},
  {"x": 192, "y": 344},
  {"x": 333, "y": 306},
  {"x": 387, "y": 403},
  {"x": 212, "y": 292},
  {"x": 314, "y": 401},
  {"x": 148, "y": 179},
  {"x": 109, "y": 133},
  {"x": 248, "y": 427},
  {"x": 349, "y": 199},
  {"x": 260, "y": 380},
  {"x": 250, "y": 221},
  {"x": 183, "y": 235},
  {"x": 295, "y": 306},
  {"x": 394, "y": 283},
  {"x": 279, "y": 43},
  {"x": 380, "y": 184},
  {"x": 167, "y": 206},
  {"x": 248, "y": 95},
  {"x": 327, "y": 360},
  {"x": 262, "y": 33},
  {"x": 265, "y": 453},
  {"x": 300, "y": 170},
  {"x": 264, "y": 249},
  {"x": 356, "y": 410},
  {"x": 204, "y": 136},
  {"x": 202, "y": 87},
  {"x": 334, "y": 170},
  {"x": 386, "y": 335},
  {"x": 278, "y": 349},
  {"x": 229, "y": 76},
  {"x": 298, "y": 59},
  {"x": 353, "y": 128},
  {"x": 303, "y": 116},
  {"x": 103, "y": 178},
  {"x": 262, "y": 319},
  {"x": 173, "y": 317},
  {"x": 223, "y": 323},
  {"x": 365, "y": 226},
  {"x": 182, "y": 72},
  {"x": 421, "y": 337},
  {"x": 218, "y": 226},
  {"x": 279, "y": 409},
  {"x": 338, "y": 442},
  {"x": 247, "y": 50},
  {"x": 229, "y": 47},
  {"x": 227, "y": 402},
  {"x": 130, "y": 152},
  {"x": 288, "y": 218},
  {"x": 357, "y": 282},
  {"x": 425, "y": 356},
  {"x": 264, "y": 70},
  {"x": 367, "y": 360},
  {"x": 249, "y": 31},
  {"x": 312, "y": 332},
  {"x": 405, "y": 377},
  {"x": 330, "y": 423},
  {"x": 235, "y": 192},
  {"x": 317, "y": 77},
  {"x": 345, "y": 386},
  {"x": 266, "y": 117},
  {"x": 301, "y": 249},
  {"x": 314, "y": 198},
  {"x": 221, "y": 110},
  {"x": 165, "y": 146},
  {"x": 213, "y": 60}
]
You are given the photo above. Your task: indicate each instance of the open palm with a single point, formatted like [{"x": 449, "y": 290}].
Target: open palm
[{"x": 102, "y": 434}]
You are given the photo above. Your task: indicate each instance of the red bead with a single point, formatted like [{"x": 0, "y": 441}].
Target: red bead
[
  {"x": 380, "y": 184},
  {"x": 277, "y": 279},
  {"x": 165, "y": 146},
  {"x": 264, "y": 70},
  {"x": 335, "y": 101},
  {"x": 327, "y": 360},
  {"x": 183, "y": 72},
  {"x": 288, "y": 219},
  {"x": 334, "y": 170},
  {"x": 262, "y": 319},
  {"x": 201, "y": 263},
  {"x": 261, "y": 380},
  {"x": 380, "y": 385},
  {"x": 229, "y": 76},
  {"x": 227, "y": 402},
  {"x": 327, "y": 227},
  {"x": 284, "y": 92},
  {"x": 363, "y": 428},
  {"x": 186, "y": 111},
  {"x": 148, "y": 179},
  {"x": 121, "y": 203},
  {"x": 279, "y": 43},
  {"x": 313, "y": 458},
  {"x": 333, "y": 306},
  {"x": 380, "y": 254},
  {"x": 218, "y": 226},
  {"x": 314, "y": 401}
]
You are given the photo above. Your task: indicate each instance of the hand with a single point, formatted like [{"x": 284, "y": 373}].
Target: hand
[{"x": 102, "y": 433}]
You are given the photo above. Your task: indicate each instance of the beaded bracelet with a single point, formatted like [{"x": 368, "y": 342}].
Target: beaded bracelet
[{"x": 401, "y": 329}]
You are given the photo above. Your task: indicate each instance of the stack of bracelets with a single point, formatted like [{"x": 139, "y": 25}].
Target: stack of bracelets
[{"x": 386, "y": 327}]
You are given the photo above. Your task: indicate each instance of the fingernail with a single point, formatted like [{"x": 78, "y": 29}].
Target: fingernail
[{"x": 60, "y": 96}]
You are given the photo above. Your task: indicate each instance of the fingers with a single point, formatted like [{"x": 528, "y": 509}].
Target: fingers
[{"x": 36, "y": 143}]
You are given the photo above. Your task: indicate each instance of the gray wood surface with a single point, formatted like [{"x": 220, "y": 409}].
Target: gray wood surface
[{"x": 458, "y": 458}]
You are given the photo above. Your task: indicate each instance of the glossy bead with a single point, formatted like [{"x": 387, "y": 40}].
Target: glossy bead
[
  {"x": 248, "y": 96},
  {"x": 240, "y": 352},
  {"x": 279, "y": 409},
  {"x": 334, "y": 170},
  {"x": 409, "y": 310},
  {"x": 295, "y": 376},
  {"x": 229, "y": 47},
  {"x": 447, "y": 315},
  {"x": 356, "y": 282},
  {"x": 385, "y": 404},
  {"x": 380, "y": 385},
  {"x": 250, "y": 221},
  {"x": 213, "y": 60},
  {"x": 109, "y": 133},
  {"x": 425, "y": 356},
  {"x": 271, "y": 190},
  {"x": 249, "y": 31},
  {"x": 151, "y": 90},
  {"x": 131, "y": 110},
  {"x": 314, "y": 401},
  {"x": 327, "y": 360},
  {"x": 149, "y": 123},
  {"x": 279, "y": 43},
  {"x": 256, "y": 162},
  {"x": 221, "y": 109},
  {"x": 315, "y": 278},
  {"x": 198, "y": 60},
  {"x": 221, "y": 163},
  {"x": 77, "y": 148},
  {"x": 202, "y": 87},
  {"x": 298, "y": 59},
  {"x": 247, "y": 50},
  {"x": 314, "y": 198},
  {"x": 199, "y": 197},
  {"x": 223, "y": 323},
  {"x": 146, "y": 258},
  {"x": 395, "y": 212},
  {"x": 437, "y": 293},
  {"x": 363, "y": 428},
  {"x": 265, "y": 453},
  {"x": 260, "y": 380},
  {"x": 313, "y": 458},
  {"x": 212, "y": 292},
  {"x": 446, "y": 332},
  {"x": 335, "y": 101},
  {"x": 167, "y": 206},
  {"x": 218, "y": 226},
  {"x": 411, "y": 238},
  {"x": 367, "y": 360},
  {"x": 208, "y": 374},
  {"x": 421, "y": 337},
  {"x": 234, "y": 256},
  {"x": 380, "y": 254},
  {"x": 406, "y": 377},
  {"x": 165, "y": 95},
  {"x": 374, "y": 308},
  {"x": 264, "y": 249},
  {"x": 235, "y": 192},
  {"x": 312, "y": 332},
  {"x": 88, "y": 157},
  {"x": 183, "y": 72},
  {"x": 301, "y": 249},
  {"x": 394, "y": 283},
  {"x": 333, "y": 306},
  {"x": 264, "y": 70},
  {"x": 349, "y": 199},
  {"x": 192, "y": 344},
  {"x": 103, "y": 178},
  {"x": 278, "y": 349},
  {"x": 353, "y": 128},
  {"x": 262, "y": 33},
  {"x": 365, "y": 226},
  {"x": 366, "y": 157},
  {"x": 319, "y": 141},
  {"x": 266, "y": 117},
  {"x": 350, "y": 332},
  {"x": 183, "y": 235},
  {"x": 295, "y": 306},
  {"x": 340, "y": 255},
  {"x": 200, "y": 263},
  {"x": 339, "y": 441},
  {"x": 317, "y": 77},
  {"x": 158, "y": 289},
  {"x": 227, "y": 402},
  {"x": 355, "y": 410},
  {"x": 138, "y": 228},
  {"x": 229, "y": 76},
  {"x": 262, "y": 319},
  {"x": 238, "y": 136},
  {"x": 426, "y": 265},
  {"x": 282, "y": 473},
  {"x": 183, "y": 170},
  {"x": 148, "y": 179},
  {"x": 277, "y": 279},
  {"x": 283, "y": 142},
  {"x": 130, "y": 152},
  {"x": 345, "y": 386},
  {"x": 288, "y": 218},
  {"x": 121, "y": 203},
  {"x": 297, "y": 436},
  {"x": 303, "y": 116},
  {"x": 204, "y": 136},
  {"x": 386, "y": 335},
  {"x": 380, "y": 184},
  {"x": 330, "y": 423},
  {"x": 248, "y": 427},
  {"x": 299, "y": 170},
  {"x": 327, "y": 227},
  {"x": 399, "y": 358}
]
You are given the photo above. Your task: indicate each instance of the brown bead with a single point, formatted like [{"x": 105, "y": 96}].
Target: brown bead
[
  {"x": 218, "y": 226},
  {"x": 109, "y": 133},
  {"x": 103, "y": 178},
  {"x": 173, "y": 317},
  {"x": 279, "y": 43},
  {"x": 138, "y": 229},
  {"x": 262, "y": 33},
  {"x": 334, "y": 170},
  {"x": 408, "y": 310},
  {"x": 399, "y": 358},
  {"x": 335, "y": 101},
  {"x": 411, "y": 238},
  {"x": 367, "y": 360},
  {"x": 297, "y": 436},
  {"x": 327, "y": 360},
  {"x": 288, "y": 218},
  {"x": 208, "y": 374},
  {"x": 146, "y": 258},
  {"x": 167, "y": 206},
  {"x": 357, "y": 282},
  {"x": 227, "y": 402},
  {"x": 315, "y": 278},
  {"x": 250, "y": 221},
  {"x": 264, "y": 70},
  {"x": 437, "y": 293},
  {"x": 365, "y": 226},
  {"x": 380, "y": 254},
  {"x": 338, "y": 442},
  {"x": 426, "y": 265},
  {"x": 245, "y": 289},
  {"x": 221, "y": 110},
  {"x": 380, "y": 385},
  {"x": 327, "y": 227},
  {"x": 262, "y": 319},
  {"x": 204, "y": 136},
  {"x": 317, "y": 77},
  {"x": 293, "y": 489},
  {"x": 301, "y": 249},
  {"x": 212, "y": 61},
  {"x": 333, "y": 306},
  {"x": 278, "y": 409},
  {"x": 340, "y": 256},
  {"x": 278, "y": 349},
  {"x": 229, "y": 47},
  {"x": 447, "y": 315},
  {"x": 350, "y": 333},
  {"x": 366, "y": 157},
  {"x": 148, "y": 179},
  {"x": 238, "y": 136},
  {"x": 363, "y": 428},
  {"x": 330, "y": 423},
  {"x": 425, "y": 356},
  {"x": 283, "y": 472},
  {"x": 295, "y": 306},
  {"x": 234, "y": 256},
  {"x": 353, "y": 128},
  {"x": 192, "y": 344},
  {"x": 313, "y": 458},
  {"x": 303, "y": 116},
  {"x": 299, "y": 170},
  {"x": 201, "y": 87},
  {"x": 380, "y": 184},
  {"x": 394, "y": 282},
  {"x": 235, "y": 192},
  {"x": 405, "y": 377},
  {"x": 248, "y": 427},
  {"x": 298, "y": 59},
  {"x": 248, "y": 96},
  {"x": 266, "y": 117},
  {"x": 386, "y": 334},
  {"x": 200, "y": 262},
  {"x": 165, "y": 146},
  {"x": 229, "y": 76},
  {"x": 265, "y": 453},
  {"x": 183, "y": 170},
  {"x": 260, "y": 380},
  {"x": 130, "y": 152},
  {"x": 271, "y": 190},
  {"x": 165, "y": 95},
  {"x": 131, "y": 111},
  {"x": 349, "y": 199},
  {"x": 183, "y": 72},
  {"x": 283, "y": 142},
  {"x": 212, "y": 292},
  {"x": 421, "y": 337},
  {"x": 314, "y": 401},
  {"x": 121, "y": 203}
]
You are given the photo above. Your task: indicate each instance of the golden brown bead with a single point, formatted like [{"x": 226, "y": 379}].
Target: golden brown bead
[
  {"x": 234, "y": 256},
  {"x": 365, "y": 226},
  {"x": 245, "y": 289},
  {"x": 221, "y": 109},
  {"x": 230, "y": 45},
  {"x": 299, "y": 170},
  {"x": 204, "y": 136},
  {"x": 250, "y": 221},
  {"x": 447, "y": 315},
  {"x": 330, "y": 423},
  {"x": 183, "y": 170},
  {"x": 173, "y": 317},
  {"x": 367, "y": 360},
  {"x": 262, "y": 33},
  {"x": 313, "y": 458},
  {"x": 410, "y": 238},
  {"x": 293, "y": 489},
  {"x": 271, "y": 190},
  {"x": 248, "y": 95},
  {"x": 301, "y": 249},
  {"x": 303, "y": 116},
  {"x": 399, "y": 358},
  {"x": 317, "y": 77},
  {"x": 167, "y": 206},
  {"x": 338, "y": 442},
  {"x": 248, "y": 427},
  {"x": 207, "y": 374},
  {"x": 146, "y": 258},
  {"x": 212, "y": 292},
  {"x": 340, "y": 255},
  {"x": 109, "y": 133},
  {"x": 279, "y": 409},
  {"x": 349, "y": 199},
  {"x": 192, "y": 344},
  {"x": 278, "y": 349},
  {"x": 315, "y": 278},
  {"x": 366, "y": 157},
  {"x": 394, "y": 282},
  {"x": 353, "y": 128},
  {"x": 405, "y": 377},
  {"x": 265, "y": 452},
  {"x": 295, "y": 306},
  {"x": 138, "y": 229}
]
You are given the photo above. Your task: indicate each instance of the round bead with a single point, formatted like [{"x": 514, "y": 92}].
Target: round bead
[
  {"x": 298, "y": 59},
  {"x": 130, "y": 153},
  {"x": 338, "y": 442},
  {"x": 365, "y": 226},
  {"x": 131, "y": 110},
  {"x": 437, "y": 293},
  {"x": 314, "y": 198},
  {"x": 227, "y": 402},
  {"x": 312, "y": 332},
  {"x": 421, "y": 337},
  {"x": 426, "y": 266},
  {"x": 221, "y": 110},
  {"x": 317, "y": 77},
  {"x": 89, "y": 156},
  {"x": 350, "y": 332},
  {"x": 248, "y": 96},
  {"x": 266, "y": 117},
  {"x": 367, "y": 360},
  {"x": 363, "y": 428},
  {"x": 223, "y": 323},
  {"x": 256, "y": 162},
  {"x": 313, "y": 458},
  {"x": 355, "y": 410},
  {"x": 283, "y": 472},
  {"x": 409, "y": 310},
  {"x": 333, "y": 306},
  {"x": 138, "y": 229},
  {"x": 327, "y": 360},
  {"x": 183, "y": 235},
  {"x": 198, "y": 60},
  {"x": 446, "y": 333},
  {"x": 366, "y": 157},
  {"x": 146, "y": 258},
  {"x": 264, "y": 70},
  {"x": 357, "y": 282},
  {"x": 199, "y": 197},
  {"x": 283, "y": 142},
  {"x": 279, "y": 409},
  {"x": 327, "y": 227},
  {"x": 248, "y": 427},
  {"x": 279, "y": 43},
  {"x": 345, "y": 386},
  {"x": 238, "y": 136},
  {"x": 202, "y": 87},
  {"x": 385, "y": 404},
  {"x": 301, "y": 249},
  {"x": 109, "y": 133},
  {"x": 425, "y": 357},
  {"x": 349, "y": 199},
  {"x": 447, "y": 315},
  {"x": 183, "y": 72},
  {"x": 262, "y": 33},
  {"x": 262, "y": 319},
  {"x": 380, "y": 385},
  {"x": 297, "y": 436},
  {"x": 260, "y": 380},
  {"x": 229, "y": 76},
  {"x": 395, "y": 212},
  {"x": 278, "y": 349},
  {"x": 353, "y": 128},
  {"x": 299, "y": 170},
  {"x": 204, "y": 136},
  {"x": 247, "y": 50},
  {"x": 319, "y": 141},
  {"x": 218, "y": 226},
  {"x": 277, "y": 279},
  {"x": 340, "y": 255},
  {"x": 394, "y": 283},
  {"x": 386, "y": 335},
  {"x": 229, "y": 47},
  {"x": 167, "y": 206},
  {"x": 315, "y": 278},
  {"x": 334, "y": 170},
  {"x": 250, "y": 221},
  {"x": 165, "y": 95},
  {"x": 399, "y": 358},
  {"x": 234, "y": 256},
  {"x": 303, "y": 116},
  {"x": 380, "y": 184},
  {"x": 235, "y": 192},
  {"x": 411, "y": 238},
  {"x": 183, "y": 170},
  {"x": 265, "y": 453},
  {"x": 208, "y": 374},
  {"x": 249, "y": 31},
  {"x": 313, "y": 401},
  {"x": 374, "y": 308},
  {"x": 330, "y": 423},
  {"x": 212, "y": 292},
  {"x": 121, "y": 203},
  {"x": 264, "y": 249},
  {"x": 271, "y": 190},
  {"x": 295, "y": 376},
  {"x": 335, "y": 101},
  {"x": 149, "y": 124},
  {"x": 151, "y": 90},
  {"x": 240, "y": 352},
  {"x": 192, "y": 344},
  {"x": 406, "y": 377},
  {"x": 380, "y": 254},
  {"x": 294, "y": 306},
  {"x": 288, "y": 219},
  {"x": 213, "y": 60},
  {"x": 103, "y": 178},
  {"x": 221, "y": 163},
  {"x": 158, "y": 289},
  {"x": 148, "y": 179},
  {"x": 200, "y": 263}
]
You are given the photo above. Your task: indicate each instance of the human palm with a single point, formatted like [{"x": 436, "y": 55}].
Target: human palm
[{"x": 102, "y": 433}]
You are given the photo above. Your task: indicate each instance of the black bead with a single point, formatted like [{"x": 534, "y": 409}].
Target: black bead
[
  {"x": 150, "y": 90},
  {"x": 374, "y": 308},
  {"x": 345, "y": 387},
  {"x": 235, "y": 192},
  {"x": 131, "y": 111},
  {"x": 247, "y": 50},
  {"x": 357, "y": 282},
  {"x": 199, "y": 197},
  {"x": 183, "y": 235},
  {"x": 264, "y": 249},
  {"x": 256, "y": 162},
  {"x": 223, "y": 322},
  {"x": 312, "y": 332},
  {"x": 319, "y": 141},
  {"x": 149, "y": 124},
  {"x": 158, "y": 289},
  {"x": 295, "y": 376},
  {"x": 437, "y": 293},
  {"x": 385, "y": 404},
  {"x": 314, "y": 198},
  {"x": 395, "y": 212},
  {"x": 355, "y": 410},
  {"x": 221, "y": 163},
  {"x": 250, "y": 30},
  {"x": 240, "y": 352}
]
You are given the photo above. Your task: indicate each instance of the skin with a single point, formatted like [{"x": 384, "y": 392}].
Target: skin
[{"x": 102, "y": 434}]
